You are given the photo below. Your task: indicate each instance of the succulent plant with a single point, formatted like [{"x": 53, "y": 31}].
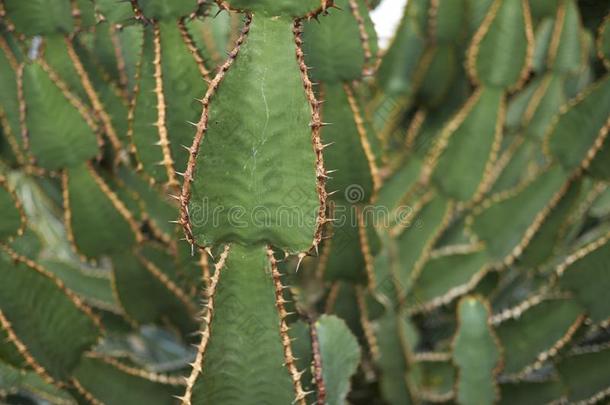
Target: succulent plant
[{"x": 251, "y": 202}]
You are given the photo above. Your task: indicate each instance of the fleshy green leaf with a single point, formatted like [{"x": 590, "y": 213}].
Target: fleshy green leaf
[
  {"x": 544, "y": 32},
  {"x": 96, "y": 376},
  {"x": 159, "y": 208},
  {"x": 114, "y": 11},
  {"x": 137, "y": 279},
  {"x": 502, "y": 222},
  {"x": 586, "y": 376},
  {"x": 434, "y": 379},
  {"x": 244, "y": 360},
  {"x": 543, "y": 106},
  {"x": 585, "y": 273},
  {"x": 160, "y": 9},
  {"x": 13, "y": 380},
  {"x": 449, "y": 18},
  {"x": 531, "y": 393},
  {"x": 401, "y": 59},
  {"x": 415, "y": 242},
  {"x": 402, "y": 180},
  {"x": 476, "y": 353},
  {"x": 392, "y": 330},
  {"x": 8, "y": 351},
  {"x": 93, "y": 287},
  {"x": 478, "y": 10},
  {"x": 290, "y": 8},
  {"x": 565, "y": 53},
  {"x": 526, "y": 160},
  {"x": 40, "y": 17},
  {"x": 544, "y": 8},
  {"x": 498, "y": 55},
  {"x": 575, "y": 131},
  {"x": 446, "y": 276},
  {"x": 468, "y": 145},
  {"x": 31, "y": 300},
  {"x": 436, "y": 74},
  {"x": 545, "y": 241},
  {"x": 340, "y": 355},
  {"x": 353, "y": 243},
  {"x": 330, "y": 48},
  {"x": 301, "y": 347},
  {"x": 347, "y": 154},
  {"x": 169, "y": 84},
  {"x": 542, "y": 329},
  {"x": 98, "y": 221},
  {"x": 241, "y": 161},
  {"x": 55, "y": 125}
]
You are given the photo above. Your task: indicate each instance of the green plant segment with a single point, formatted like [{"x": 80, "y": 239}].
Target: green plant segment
[
  {"x": 252, "y": 202},
  {"x": 476, "y": 355}
]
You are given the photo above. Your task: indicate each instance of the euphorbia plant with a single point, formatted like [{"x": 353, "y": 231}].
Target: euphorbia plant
[{"x": 238, "y": 202}]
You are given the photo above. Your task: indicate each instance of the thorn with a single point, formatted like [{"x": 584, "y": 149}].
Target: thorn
[
  {"x": 175, "y": 197},
  {"x": 218, "y": 13},
  {"x": 301, "y": 256},
  {"x": 332, "y": 192},
  {"x": 193, "y": 123},
  {"x": 209, "y": 252},
  {"x": 181, "y": 174},
  {"x": 175, "y": 222}
]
